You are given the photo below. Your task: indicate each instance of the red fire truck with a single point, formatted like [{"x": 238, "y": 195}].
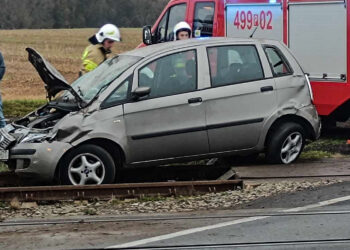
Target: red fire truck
[{"x": 315, "y": 30}]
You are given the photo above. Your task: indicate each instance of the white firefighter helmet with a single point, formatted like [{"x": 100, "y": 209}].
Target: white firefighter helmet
[
  {"x": 182, "y": 26},
  {"x": 108, "y": 31}
]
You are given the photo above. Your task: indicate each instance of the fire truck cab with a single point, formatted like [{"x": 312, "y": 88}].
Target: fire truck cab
[{"x": 316, "y": 31}]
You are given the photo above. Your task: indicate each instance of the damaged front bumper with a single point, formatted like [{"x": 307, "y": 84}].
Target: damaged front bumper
[
  {"x": 37, "y": 160},
  {"x": 31, "y": 160}
]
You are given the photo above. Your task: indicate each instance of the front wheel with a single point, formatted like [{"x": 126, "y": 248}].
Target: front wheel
[
  {"x": 285, "y": 144},
  {"x": 87, "y": 165}
]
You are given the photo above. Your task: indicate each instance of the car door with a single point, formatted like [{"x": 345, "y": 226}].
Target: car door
[
  {"x": 288, "y": 85},
  {"x": 170, "y": 122},
  {"x": 242, "y": 96}
]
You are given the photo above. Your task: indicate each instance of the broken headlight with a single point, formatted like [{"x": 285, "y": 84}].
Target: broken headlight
[{"x": 31, "y": 138}]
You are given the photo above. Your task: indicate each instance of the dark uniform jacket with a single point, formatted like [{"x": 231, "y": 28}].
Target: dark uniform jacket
[{"x": 2, "y": 67}]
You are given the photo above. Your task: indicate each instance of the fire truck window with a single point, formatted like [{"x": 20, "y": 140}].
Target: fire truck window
[
  {"x": 234, "y": 64},
  {"x": 278, "y": 63},
  {"x": 161, "y": 30},
  {"x": 170, "y": 75},
  {"x": 203, "y": 19},
  {"x": 177, "y": 14}
]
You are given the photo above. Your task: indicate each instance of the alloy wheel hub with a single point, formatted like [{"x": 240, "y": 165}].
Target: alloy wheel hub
[
  {"x": 291, "y": 147},
  {"x": 86, "y": 169}
]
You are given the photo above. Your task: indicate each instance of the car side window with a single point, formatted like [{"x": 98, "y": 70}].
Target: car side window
[
  {"x": 119, "y": 94},
  {"x": 278, "y": 63},
  {"x": 203, "y": 19},
  {"x": 170, "y": 75},
  {"x": 177, "y": 14},
  {"x": 234, "y": 64}
]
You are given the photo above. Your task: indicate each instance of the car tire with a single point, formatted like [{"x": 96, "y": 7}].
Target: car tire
[
  {"x": 285, "y": 143},
  {"x": 87, "y": 164}
]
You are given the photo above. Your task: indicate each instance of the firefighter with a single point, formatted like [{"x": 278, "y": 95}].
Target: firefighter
[
  {"x": 182, "y": 31},
  {"x": 101, "y": 45},
  {"x": 2, "y": 73}
]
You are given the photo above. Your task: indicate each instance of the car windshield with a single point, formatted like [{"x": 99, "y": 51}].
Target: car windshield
[{"x": 93, "y": 83}]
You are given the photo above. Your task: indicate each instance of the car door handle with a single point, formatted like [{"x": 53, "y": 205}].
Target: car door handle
[
  {"x": 266, "y": 89},
  {"x": 195, "y": 100}
]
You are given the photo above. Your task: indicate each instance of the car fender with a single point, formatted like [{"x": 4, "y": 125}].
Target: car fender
[{"x": 307, "y": 113}]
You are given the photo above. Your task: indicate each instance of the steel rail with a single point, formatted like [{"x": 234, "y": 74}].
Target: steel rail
[
  {"x": 160, "y": 218},
  {"x": 121, "y": 191}
]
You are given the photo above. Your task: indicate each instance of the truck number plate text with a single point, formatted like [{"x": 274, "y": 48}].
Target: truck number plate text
[{"x": 248, "y": 20}]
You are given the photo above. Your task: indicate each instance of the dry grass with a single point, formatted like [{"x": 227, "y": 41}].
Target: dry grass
[{"x": 63, "y": 48}]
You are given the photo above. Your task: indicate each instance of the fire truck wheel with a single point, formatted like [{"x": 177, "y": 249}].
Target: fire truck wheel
[{"x": 285, "y": 143}]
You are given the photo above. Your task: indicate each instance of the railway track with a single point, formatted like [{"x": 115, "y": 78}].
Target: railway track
[
  {"x": 134, "y": 183},
  {"x": 121, "y": 191},
  {"x": 116, "y": 219},
  {"x": 148, "y": 187}
]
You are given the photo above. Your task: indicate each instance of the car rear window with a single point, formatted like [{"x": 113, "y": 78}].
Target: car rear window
[
  {"x": 234, "y": 64},
  {"x": 278, "y": 63}
]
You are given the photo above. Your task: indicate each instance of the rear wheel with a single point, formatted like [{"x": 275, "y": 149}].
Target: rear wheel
[
  {"x": 286, "y": 143},
  {"x": 87, "y": 165}
]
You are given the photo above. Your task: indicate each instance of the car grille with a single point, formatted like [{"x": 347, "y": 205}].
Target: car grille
[{"x": 5, "y": 139}]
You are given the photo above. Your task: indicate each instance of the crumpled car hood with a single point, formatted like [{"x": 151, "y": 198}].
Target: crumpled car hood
[{"x": 54, "y": 81}]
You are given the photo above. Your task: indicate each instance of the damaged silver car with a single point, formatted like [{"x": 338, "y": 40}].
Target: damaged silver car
[{"x": 192, "y": 100}]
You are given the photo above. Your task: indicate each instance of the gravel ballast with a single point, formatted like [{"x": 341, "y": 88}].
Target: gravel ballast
[{"x": 224, "y": 200}]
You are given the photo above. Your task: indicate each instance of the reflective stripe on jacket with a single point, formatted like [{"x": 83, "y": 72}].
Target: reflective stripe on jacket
[{"x": 92, "y": 57}]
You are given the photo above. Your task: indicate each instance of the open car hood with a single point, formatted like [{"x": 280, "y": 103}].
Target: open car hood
[{"x": 54, "y": 81}]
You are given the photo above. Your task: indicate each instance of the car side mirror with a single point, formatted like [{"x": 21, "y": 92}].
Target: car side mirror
[
  {"x": 141, "y": 92},
  {"x": 147, "y": 35}
]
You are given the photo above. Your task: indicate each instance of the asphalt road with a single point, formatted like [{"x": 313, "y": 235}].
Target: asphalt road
[
  {"x": 273, "y": 232},
  {"x": 319, "y": 226},
  {"x": 281, "y": 222}
]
